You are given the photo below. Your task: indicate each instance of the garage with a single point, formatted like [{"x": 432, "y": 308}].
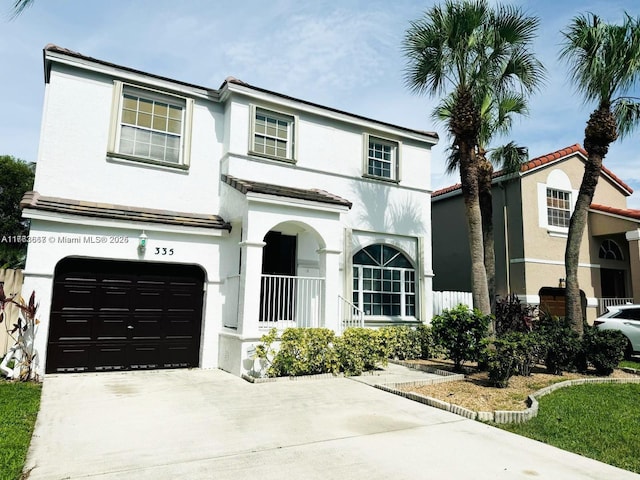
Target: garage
[{"x": 118, "y": 315}]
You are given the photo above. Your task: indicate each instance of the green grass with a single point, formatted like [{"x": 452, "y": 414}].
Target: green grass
[
  {"x": 19, "y": 403},
  {"x": 630, "y": 364},
  {"x": 599, "y": 421}
]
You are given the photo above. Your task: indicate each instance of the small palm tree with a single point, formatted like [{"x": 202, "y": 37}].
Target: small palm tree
[
  {"x": 472, "y": 51},
  {"x": 604, "y": 63}
]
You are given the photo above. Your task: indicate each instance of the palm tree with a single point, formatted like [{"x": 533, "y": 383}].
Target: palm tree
[
  {"x": 604, "y": 64},
  {"x": 472, "y": 51},
  {"x": 496, "y": 116}
]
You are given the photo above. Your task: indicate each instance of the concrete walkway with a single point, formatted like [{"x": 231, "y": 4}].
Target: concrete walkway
[{"x": 204, "y": 424}]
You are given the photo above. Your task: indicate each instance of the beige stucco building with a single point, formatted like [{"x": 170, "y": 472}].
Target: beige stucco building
[{"x": 531, "y": 212}]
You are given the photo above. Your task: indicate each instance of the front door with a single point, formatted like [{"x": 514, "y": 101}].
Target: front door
[
  {"x": 277, "y": 295},
  {"x": 612, "y": 282}
]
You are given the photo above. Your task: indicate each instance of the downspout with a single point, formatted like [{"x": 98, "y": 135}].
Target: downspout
[{"x": 505, "y": 221}]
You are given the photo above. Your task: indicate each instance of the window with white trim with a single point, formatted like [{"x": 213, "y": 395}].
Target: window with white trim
[
  {"x": 384, "y": 282},
  {"x": 382, "y": 158},
  {"x": 150, "y": 126},
  {"x": 610, "y": 250},
  {"x": 272, "y": 134},
  {"x": 558, "y": 208}
]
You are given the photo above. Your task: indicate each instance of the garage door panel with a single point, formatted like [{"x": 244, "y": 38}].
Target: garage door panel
[
  {"x": 117, "y": 315},
  {"x": 110, "y": 327}
]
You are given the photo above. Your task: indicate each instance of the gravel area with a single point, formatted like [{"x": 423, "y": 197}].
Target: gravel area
[{"x": 475, "y": 392}]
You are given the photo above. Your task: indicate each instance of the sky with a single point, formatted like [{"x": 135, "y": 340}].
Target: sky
[{"x": 345, "y": 54}]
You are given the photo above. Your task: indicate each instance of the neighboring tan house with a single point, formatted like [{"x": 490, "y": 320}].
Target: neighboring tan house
[
  {"x": 173, "y": 224},
  {"x": 531, "y": 212}
]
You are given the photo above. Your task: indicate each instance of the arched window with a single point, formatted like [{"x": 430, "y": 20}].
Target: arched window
[
  {"x": 610, "y": 250},
  {"x": 384, "y": 282}
]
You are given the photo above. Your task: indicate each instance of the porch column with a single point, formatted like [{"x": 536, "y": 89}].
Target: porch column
[
  {"x": 330, "y": 271},
  {"x": 249, "y": 291},
  {"x": 633, "y": 237}
]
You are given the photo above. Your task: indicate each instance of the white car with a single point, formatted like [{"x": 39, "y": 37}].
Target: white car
[{"x": 625, "y": 318}]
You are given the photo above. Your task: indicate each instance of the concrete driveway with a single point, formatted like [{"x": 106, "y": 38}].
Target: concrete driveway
[{"x": 196, "y": 424}]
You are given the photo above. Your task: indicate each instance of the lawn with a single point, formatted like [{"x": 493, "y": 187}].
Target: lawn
[
  {"x": 630, "y": 364},
  {"x": 19, "y": 403},
  {"x": 599, "y": 421}
]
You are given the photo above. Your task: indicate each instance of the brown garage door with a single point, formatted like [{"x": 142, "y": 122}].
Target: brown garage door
[{"x": 113, "y": 315}]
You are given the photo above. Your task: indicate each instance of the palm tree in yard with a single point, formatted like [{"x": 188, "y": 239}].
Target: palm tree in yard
[
  {"x": 470, "y": 51},
  {"x": 604, "y": 63},
  {"x": 496, "y": 117}
]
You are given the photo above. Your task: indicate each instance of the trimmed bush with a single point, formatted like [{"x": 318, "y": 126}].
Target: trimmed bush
[
  {"x": 425, "y": 337},
  {"x": 401, "y": 343},
  {"x": 604, "y": 349},
  {"x": 514, "y": 353},
  {"x": 459, "y": 331},
  {"x": 359, "y": 349},
  {"x": 303, "y": 351},
  {"x": 560, "y": 342}
]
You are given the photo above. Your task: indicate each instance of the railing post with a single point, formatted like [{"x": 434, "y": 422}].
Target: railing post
[{"x": 330, "y": 271}]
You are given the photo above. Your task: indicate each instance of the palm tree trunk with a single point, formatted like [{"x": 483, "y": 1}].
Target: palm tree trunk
[
  {"x": 486, "y": 211},
  {"x": 573, "y": 307},
  {"x": 601, "y": 130},
  {"x": 469, "y": 180}
]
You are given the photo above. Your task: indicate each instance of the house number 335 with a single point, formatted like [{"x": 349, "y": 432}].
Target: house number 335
[{"x": 163, "y": 251}]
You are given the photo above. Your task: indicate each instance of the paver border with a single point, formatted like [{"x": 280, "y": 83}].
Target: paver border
[{"x": 497, "y": 416}]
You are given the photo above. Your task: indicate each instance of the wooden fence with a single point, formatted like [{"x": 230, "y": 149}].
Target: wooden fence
[
  {"x": 11, "y": 281},
  {"x": 446, "y": 300}
]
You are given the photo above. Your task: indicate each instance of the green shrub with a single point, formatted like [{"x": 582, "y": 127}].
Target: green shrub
[
  {"x": 402, "y": 342},
  {"x": 303, "y": 351},
  {"x": 425, "y": 338},
  {"x": 514, "y": 353},
  {"x": 604, "y": 349},
  {"x": 459, "y": 331},
  {"x": 359, "y": 349},
  {"x": 560, "y": 342}
]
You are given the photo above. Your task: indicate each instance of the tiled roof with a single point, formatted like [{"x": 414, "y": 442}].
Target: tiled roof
[
  {"x": 120, "y": 212},
  {"x": 545, "y": 160},
  {"x": 314, "y": 195},
  {"x": 623, "y": 212}
]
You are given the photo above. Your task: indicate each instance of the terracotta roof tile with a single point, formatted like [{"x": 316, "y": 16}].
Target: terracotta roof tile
[
  {"x": 36, "y": 201},
  {"x": 623, "y": 212},
  {"x": 315, "y": 195},
  {"x": 544, "y": 160}
]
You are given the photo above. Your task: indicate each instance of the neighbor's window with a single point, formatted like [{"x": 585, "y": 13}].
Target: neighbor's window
[
  {"x": 382, "y": 158},
  {"x": 384, "y": 282},
  {"x": 273, "y": 134},
  {"x": 558, "y": 208},
  {"x": 610, "y": 250},
  {"x": 151, "y": 126}
]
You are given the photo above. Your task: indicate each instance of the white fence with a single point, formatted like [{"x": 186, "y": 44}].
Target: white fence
[
  {"x": 445, "y": 300},
  {"x": 350, "y": 315},
  {"x": 604, "y": 303},
  {"x": 288, "y": 301}
]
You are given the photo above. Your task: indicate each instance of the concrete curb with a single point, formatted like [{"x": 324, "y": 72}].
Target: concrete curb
[
  {"x": 320, "y": 376},
  {"x": 498, "y": 416}
]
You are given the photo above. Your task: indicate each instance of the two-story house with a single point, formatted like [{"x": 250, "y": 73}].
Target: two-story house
[
  {"x": 173, "y": 224},
  {"x": 531, "y": 212}
]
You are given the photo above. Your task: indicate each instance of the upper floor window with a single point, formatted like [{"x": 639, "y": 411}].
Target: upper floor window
[
  {"x": 610, "y": 250},
  {"x": 558, "y": 208},
  {"x": 273, "y": 134},
  {"x": 384, "y": 282},
  {"x": 382, "y": 158},
  {"x": 151, "y": 126}
]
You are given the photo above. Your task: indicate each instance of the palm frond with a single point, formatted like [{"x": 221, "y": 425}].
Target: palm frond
[
  {"x": 627, "y": 114},
  {"x": 19, "y": 6},
  {"x": 509, "y": 157}
]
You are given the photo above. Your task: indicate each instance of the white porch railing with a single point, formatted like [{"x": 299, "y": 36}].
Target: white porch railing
[
  {"x": 350, "y": 315},
  {"x": 288, "y": 301},
  {"x": 446, "y": 300},
  {"x": 604, "y": 303}
]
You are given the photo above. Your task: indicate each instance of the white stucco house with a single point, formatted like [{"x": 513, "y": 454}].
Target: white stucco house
[{"x": 173, "y": 224}]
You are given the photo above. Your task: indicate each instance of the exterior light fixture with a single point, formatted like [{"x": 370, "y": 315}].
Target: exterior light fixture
[
  {"x": 562, "y": 283},
  {"x": 142, "y": 243}
]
